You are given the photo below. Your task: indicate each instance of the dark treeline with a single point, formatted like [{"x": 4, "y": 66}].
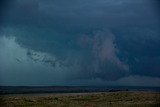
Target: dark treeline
[{"x": 69, "y": 89}]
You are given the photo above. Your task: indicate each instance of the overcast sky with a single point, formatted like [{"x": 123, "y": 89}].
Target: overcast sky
[{"x": 80, "y": 42}]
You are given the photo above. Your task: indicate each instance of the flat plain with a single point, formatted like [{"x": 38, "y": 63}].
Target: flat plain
[{"x": 97, "y": 99}]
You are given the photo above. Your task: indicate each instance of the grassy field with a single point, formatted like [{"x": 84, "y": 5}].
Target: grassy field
[{"x": 110, "y": 99}]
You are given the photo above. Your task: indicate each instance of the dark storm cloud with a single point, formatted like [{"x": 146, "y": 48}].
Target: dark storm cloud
[
  {"x": 141, "y": 47},
  {"x": 88, "y": 39},
  {"x": 4, "y": 4},
  {"x": 82, "y": 15}
]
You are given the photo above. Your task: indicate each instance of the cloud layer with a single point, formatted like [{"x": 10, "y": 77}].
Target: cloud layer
[{"x": 79, "y": 40}]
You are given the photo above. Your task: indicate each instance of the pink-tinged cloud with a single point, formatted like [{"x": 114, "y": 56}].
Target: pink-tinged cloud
[{"x": 105, "y": 48}]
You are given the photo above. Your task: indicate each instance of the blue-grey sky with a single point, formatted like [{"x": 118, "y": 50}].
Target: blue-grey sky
[{"x": 80, "y": 42}]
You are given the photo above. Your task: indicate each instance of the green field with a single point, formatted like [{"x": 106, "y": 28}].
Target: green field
[{"x": 110, "y": 99}]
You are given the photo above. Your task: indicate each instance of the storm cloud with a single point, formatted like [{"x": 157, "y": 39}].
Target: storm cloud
[{"x": 58, "y": 41}]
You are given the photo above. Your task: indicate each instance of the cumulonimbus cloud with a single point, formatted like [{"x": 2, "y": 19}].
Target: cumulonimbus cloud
[
  {"x": 103, "y": 62},
  {"x": 51, "y": 38}
]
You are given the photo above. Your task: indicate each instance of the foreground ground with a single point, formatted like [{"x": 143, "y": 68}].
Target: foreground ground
[{"x": 110, "y": 99}]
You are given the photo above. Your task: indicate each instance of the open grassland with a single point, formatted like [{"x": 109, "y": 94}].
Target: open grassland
[{"x": 108, "y": 99}]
